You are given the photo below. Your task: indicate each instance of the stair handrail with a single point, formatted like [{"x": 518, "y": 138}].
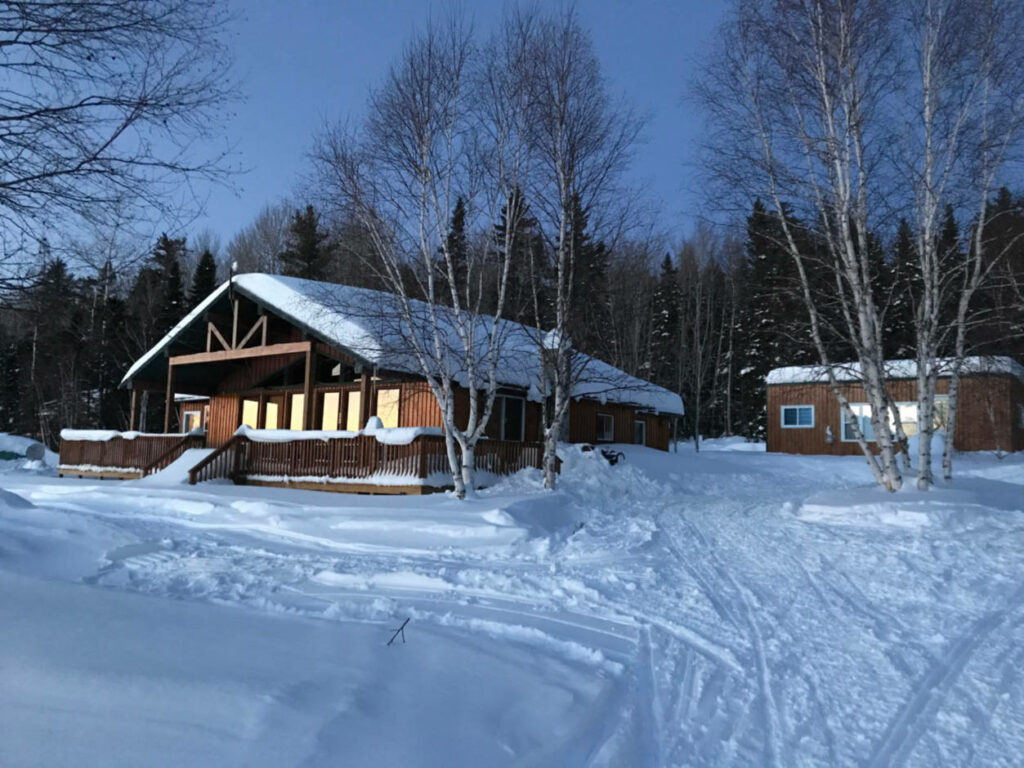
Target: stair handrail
[
  {"x": 174, "y": 452},
  {"x": 234, "y": 442}
]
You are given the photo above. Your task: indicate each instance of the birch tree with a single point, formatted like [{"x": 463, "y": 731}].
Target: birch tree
[
  {"x": 580, "y": 140},
  {"x": 791, "y": 93},
  {"x": 445, "y": 125}
]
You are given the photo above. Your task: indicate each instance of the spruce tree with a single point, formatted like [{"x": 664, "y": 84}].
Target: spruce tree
[
  {"x": 204, "y": 279},
  {"x": 899, "y": 315},
  {"x": 457, "y": 249},
  {"x": 665, "y": 327},
  {"x": 589, "y": 315},
  {"x": 307, "y": 255}
]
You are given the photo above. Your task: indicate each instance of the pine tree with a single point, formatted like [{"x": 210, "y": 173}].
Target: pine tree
[
  {"x": 899, "y": 316},
  {"x": 170, "y": 298},
  {"x": 526, "y": 259},
  {"x": 665, "y": 327},
  {"x": 589, "y": 287},
  {"x": 204, "y": 279},
  {"x": 457, "y": 249},
  {"x": 307, "y": 255}
]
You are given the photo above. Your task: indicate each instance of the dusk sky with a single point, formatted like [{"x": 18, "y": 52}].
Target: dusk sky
[{"x": 301, "y": 63}]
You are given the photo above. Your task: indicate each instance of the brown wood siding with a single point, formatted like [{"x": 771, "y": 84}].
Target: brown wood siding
[
  {"x": 224, "y": 419},
  {"x": 583, "y": 423},
  {"x": 984, "y": 422}
]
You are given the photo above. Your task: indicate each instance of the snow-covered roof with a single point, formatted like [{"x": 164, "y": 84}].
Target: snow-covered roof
[
  {"x": 364, "y": 323},
  {"x": 896, "y": 369}
]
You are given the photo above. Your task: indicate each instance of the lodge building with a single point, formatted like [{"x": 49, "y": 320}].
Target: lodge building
[{"x": 309, "y": 359}]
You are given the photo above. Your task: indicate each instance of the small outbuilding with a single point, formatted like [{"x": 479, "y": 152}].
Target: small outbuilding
[{"x": 804, "y": 415}]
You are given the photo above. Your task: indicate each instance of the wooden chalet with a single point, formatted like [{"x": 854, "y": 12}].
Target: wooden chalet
[
  {"x": 304, "y": 365},
  {"x": 804, "y": 415}
]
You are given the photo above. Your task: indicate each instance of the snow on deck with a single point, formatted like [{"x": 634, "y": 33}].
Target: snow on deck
[{"x": 726, "y": 608}]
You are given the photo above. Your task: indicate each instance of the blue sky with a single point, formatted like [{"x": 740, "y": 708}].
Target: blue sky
[{"x": 303, "y": 62}]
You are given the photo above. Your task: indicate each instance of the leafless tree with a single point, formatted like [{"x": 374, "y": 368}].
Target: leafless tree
[
  {"x": 257, "y": 247},
  {"x": 580, "y": 140},
  {"x": 792, "y": 92},
  {"x": 969, "y": 115},
  {"x": 103, "y": 106},
  {"x": 445, "y": 129}
]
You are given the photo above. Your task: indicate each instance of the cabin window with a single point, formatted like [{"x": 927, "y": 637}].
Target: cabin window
[
  {"x": 331, "y": 406},
  {"x": 352, "y": 412},
  {"x": 862, "y": 418},
  {"x": 387, "y": 407},
  {"x": 640, "y": 432},
  {"x": 797, "y": 416},
  {"x": 251, "y": 413},
  {"x": 512, "y": 414},
  {"x": 192, "y": 420},
  {"x": 272, "y": 413},
  {"x": 1020, "y": 415},
  {"x": 298, "y": 406},
  {"x": 605, "y": 428}
]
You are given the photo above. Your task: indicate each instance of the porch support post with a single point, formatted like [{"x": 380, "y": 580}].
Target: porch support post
[
  {"x": 307, "y": 392},
  {"x": 169, "y": 399},
  {"x": 364, "y": 398},
  {"x": 133, "y": 416}
]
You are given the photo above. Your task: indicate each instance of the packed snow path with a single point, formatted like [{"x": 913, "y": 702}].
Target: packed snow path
[{"x": 728, "y": 609}]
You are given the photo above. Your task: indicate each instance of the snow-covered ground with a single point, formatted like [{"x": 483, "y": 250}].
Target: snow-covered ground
[{"x": 726, "y": 608}]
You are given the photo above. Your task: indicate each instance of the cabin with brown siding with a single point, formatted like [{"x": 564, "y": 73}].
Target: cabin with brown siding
[
  {"x": 804, "y": 415},
  {"x": 271, "y": 353}
]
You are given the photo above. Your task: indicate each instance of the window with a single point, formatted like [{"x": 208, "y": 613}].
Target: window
[
  {"x": 193, "y": 420},
  {"x": 862, "y": 417},
  {"x": 797, "y": 416},
  {"x": 387, "y": 407},
  {"x": 1020, "y": 415},
  {"x": 331, "y": 406},
  {"x": 298, "y": 406},
  {"x": 605, "y": 428},
  {"x": 251, "y": 413},
  {"x": 640, "y": 432},
  {"x": 272, "y": 413},
  {"x": 511, "y": 414},
  {"x": 352, "y": 412}
]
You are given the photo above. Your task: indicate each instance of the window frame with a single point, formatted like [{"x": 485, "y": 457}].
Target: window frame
[
  {"x": 184, "y": 421},
  {"x": 842, "y": 425},
  {"x": 798, "y": 425},
  {"x": 598, "y": 431},
  {"x": 522, "y": 421},
  {"x": 643, "y": 424}
]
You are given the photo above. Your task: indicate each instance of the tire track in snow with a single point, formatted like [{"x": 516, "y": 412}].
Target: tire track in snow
[
  {"x": 912, "y": 720},
  {"x": 770, "y": 710}
]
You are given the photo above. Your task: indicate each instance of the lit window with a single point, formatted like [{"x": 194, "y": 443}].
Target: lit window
[
  {"x": 270, "y": 414},
  {"x": 797, "y": 416},
  {"x": 387, "y": 407},
  {"x": 352, "y": 412},
  {"x": 251, "y": 413},
  {"x": 605, "y": 428},
  {"x": 298, "y": 405},
  {"x": 332, "y": 404},
  {"x": 192, "y": 421}
]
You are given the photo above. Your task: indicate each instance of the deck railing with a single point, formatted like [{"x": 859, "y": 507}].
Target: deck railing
[
  {"x": 423, "y": 461},
  {"x": 136, "y": 453},
  {"x": 355, "y": 458}
]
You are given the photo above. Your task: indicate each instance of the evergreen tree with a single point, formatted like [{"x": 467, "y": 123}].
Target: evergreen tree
[
  {"x": 771, "y": 327},
  {"x": 589, "y": 315},
  {"x": 204, "y": 279},
  {"x": 457, "y": 248},
  {"x": 526, "y": 259},
  {"x": 665, "y": 327},
  {"x": 307, "y": 255},
  {"x": 899, "y": 315}
]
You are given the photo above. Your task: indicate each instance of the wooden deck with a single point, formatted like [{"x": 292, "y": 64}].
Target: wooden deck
[{"x": 345, "y": 464}]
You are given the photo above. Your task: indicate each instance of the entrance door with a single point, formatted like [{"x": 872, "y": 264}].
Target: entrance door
[{"x": 640, "y": 432}]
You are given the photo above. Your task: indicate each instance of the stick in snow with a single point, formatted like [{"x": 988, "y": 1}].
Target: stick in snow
[{"x": 399, "y": 631}]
